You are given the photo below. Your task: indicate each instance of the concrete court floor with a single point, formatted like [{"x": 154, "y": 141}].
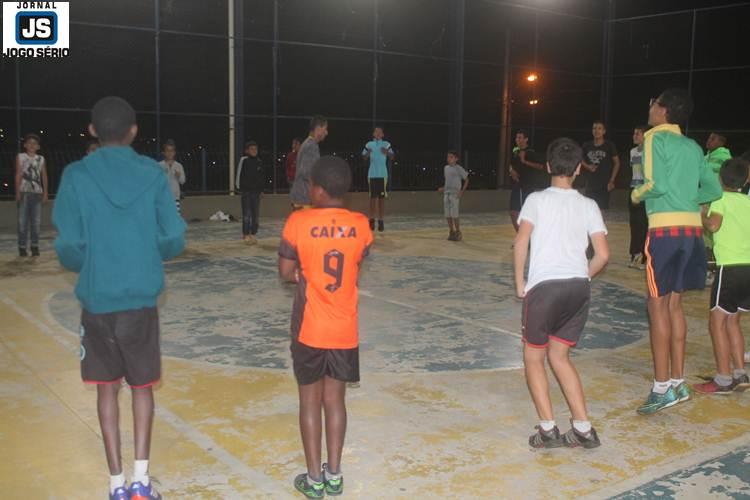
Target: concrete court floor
[{"x": 442, "y": 410}]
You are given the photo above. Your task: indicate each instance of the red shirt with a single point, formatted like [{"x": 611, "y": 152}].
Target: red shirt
[{"x": 291, "y": 166}]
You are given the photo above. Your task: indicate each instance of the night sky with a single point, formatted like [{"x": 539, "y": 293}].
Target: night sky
[{"x": 326, "y": 64}]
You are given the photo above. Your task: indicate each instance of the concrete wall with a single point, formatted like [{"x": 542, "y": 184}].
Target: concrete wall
[{"x": 399, "y": 202}]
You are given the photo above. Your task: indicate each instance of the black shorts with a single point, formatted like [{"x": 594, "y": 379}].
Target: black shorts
[
  {"x": 557, "y": 310},
  {"x": 377, "y": 187},
  {"x": 312, "y": 364},
  {"x": 731, "y": 290},
  {"x": 516, "y": 197},
  {"x": 121, "y": 344},
  {"x": 675, "y": 260}
]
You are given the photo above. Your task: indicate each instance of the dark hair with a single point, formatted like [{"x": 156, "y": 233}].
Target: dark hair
[
  {"x": 29, "y": 137},
  {"x": 250, "y": 143},
  {"x": 599, "y": 122},
  {"x": 297, "y": 139},
  {"x": 564, "y": 155},
  {"x": 378, "y": 126},
  {"x": 642, "y": 128},
  {"x": 112, "y": 118},
  {"x": 523, "y": 132},
  {"x": 454, "y": 153},
  {"x": 720, "y": 136},
  {"x": 90, "y": 142},
  {"x": 317, "y": 121},
  {"x": 733, "y": 173},
  {"x": 168, "y": 143},
  {"x": 679, "y": 105},
  {"x": 333, "y": 175}
]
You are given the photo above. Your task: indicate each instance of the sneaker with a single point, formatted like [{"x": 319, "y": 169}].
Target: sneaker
[
  {"x": 140, "y": 492},
  {"x": 741, "y": 384},
  {"x": 35, "y": 251},
  {"x": 544, "y": 439},
  {"x": 633, "y": 262},
  {"x": 452, "y": 236},
  {"x": 574, "y": 439},
  {"x": 712, "y": 387},
  {"x": 682, "y": 392},
  {"x": 120, "y": 493},
  {"x": 372, "y": 224},
  {"x": 310, "y": 490},
  {"x": 656, "y": 402},
  {"x": 459, "y": 236},
  {"x": 381, "y": 226},
  {"x": 22, "y": 252},
  {"x": 334, "y": 486}
]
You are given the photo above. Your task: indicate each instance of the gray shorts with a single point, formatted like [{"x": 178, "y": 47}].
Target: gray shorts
[{"x": 450, "y": 205}]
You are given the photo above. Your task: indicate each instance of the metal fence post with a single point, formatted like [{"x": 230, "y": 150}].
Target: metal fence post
[{"x": 204, "y": 176}]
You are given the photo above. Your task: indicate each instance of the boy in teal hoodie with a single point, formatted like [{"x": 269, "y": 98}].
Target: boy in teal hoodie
[
  {"x": 677, "y": 180},
  {"x": 116, "y": 222}
]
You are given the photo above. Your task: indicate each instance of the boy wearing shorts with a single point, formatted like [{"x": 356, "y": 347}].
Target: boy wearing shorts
[
  {"x": 728, "y": 219},
  {"x": 456, "y": 182},
  {"x": 558, "y": 222},
  {"x": 321, "y": 250},
  {"x": 677, "y": 180},
  {"x": 378, "y": 152},
  {"x": 116, "y": 221}
]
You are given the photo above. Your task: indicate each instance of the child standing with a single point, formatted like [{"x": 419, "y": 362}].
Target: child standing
[
  {"x": 250, "y": 181},
  {"x": 638, "y": 219},
  {"x": 175, "y": 172},
  {"x": 31, "y": 192},
  {"x": 452, "y": 191},
  {"x": 601, "y": 160},
  {"x": 321, "y": 250},
  {"x": 559, "y": 222},
  {"x": 378, "y": 152},
  {"x": 677, "y": 181},
  {"x": 116, "y": 222},
  {"x": 728, "y": 219},
  {"x": 716, "y": 151}
]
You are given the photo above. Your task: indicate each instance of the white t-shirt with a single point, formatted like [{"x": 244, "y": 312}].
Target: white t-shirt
[{"x": 563, "y": 219}]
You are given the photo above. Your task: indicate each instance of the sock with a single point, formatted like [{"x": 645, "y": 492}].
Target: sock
[
  {"x": 723, "y": 380},
  {"x": 328, "y": 475},
  {"x": 582, "y": 426},
  {"x": 115, "y": 482},
  {"x": 661, "y": 387},
  {"x": 312, "y": 481},
  {"x": 547, "y": 425},
  {"x": 140, "y": 472},
  {"x": 674, "y": 382},
  {"x": 738, "y": 372}
]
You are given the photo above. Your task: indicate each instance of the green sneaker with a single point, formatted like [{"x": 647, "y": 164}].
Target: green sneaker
[
  {"x": 335, "y": 485},
  {"x": 682, "y": 392},
  {"x": 308, "y": 488},
  {"x": 656, "y": 402}
]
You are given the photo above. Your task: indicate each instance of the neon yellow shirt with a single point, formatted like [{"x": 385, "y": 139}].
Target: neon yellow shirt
[{"x": 732, "y": 240}]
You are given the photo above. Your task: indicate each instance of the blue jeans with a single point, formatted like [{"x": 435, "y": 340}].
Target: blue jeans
[{"x": 29, "y": 218}]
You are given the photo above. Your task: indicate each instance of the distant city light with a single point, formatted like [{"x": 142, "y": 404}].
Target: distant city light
[
  {"x": 532, "y": 77},
  {"x": 83, "y": 135},
  {"x": 534, "y": 102}
]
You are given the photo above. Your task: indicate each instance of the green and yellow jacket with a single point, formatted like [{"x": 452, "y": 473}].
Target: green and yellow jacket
[
  {"x": 717, "y": 157},
  {"x": 677, "y": 179}
]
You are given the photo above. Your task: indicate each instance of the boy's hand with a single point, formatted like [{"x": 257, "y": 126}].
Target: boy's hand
[
  {"x": 18, "y": 196},
  {"x": 520, "y": 290},
  {"x": 611, "y": 186},
  {"x": 460, "y": 194},
  {"x": 441, "y": 189},
  {"x": 384, "y": 151},
  {"x": 514, "y": 175}
]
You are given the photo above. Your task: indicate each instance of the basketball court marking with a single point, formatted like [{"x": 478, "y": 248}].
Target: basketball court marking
[{"x": 270, "y": 485}]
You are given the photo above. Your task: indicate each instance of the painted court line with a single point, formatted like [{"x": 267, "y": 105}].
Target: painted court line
[
  {"x": 369, "y": 294},
  {"x": 203, "y": 441}
]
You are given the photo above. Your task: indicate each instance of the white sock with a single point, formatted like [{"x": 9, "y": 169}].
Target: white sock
[
  {"x": 328, "y": 475},
  {"x": 661, "y": 387},
  {"x": 140, "y": 472},
  {"x": 115, "y": 482},
  {"x": 582, "y": 426},
  {"x": 676, "y": 381},
  {"x": 547, "y": 425},
  {"x": 738, "y": 372}
]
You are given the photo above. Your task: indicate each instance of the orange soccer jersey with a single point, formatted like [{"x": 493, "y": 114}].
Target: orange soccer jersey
[{"x": 328, "y": 245}]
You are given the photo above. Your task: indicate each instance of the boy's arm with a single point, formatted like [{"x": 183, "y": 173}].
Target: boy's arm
[
  {"x": 654, "y": 170},
  {"x": 288, "y": 270},
  {"x": 615, "y": 171},
  {"x": 529, "y": 163},
  {"x": 66, "y": 217},
  {"x": 45, "y": 182},
  {"x": 18, "y": 178},
  {"x": 171, "y": 225},
  {"x": 466, "y": 184},
  {"x": 601, "y": 253},
  {"x": 288, "y": 257},
  {"x": 709, "y": 188},
  {"x": 712, "y": 218},
  {"x": 180, "y": 173},
  {"x": 520, "y": 253}
]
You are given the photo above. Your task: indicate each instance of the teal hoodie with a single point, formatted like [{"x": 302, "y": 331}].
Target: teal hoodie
[{"x": 116, "y": 221}]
